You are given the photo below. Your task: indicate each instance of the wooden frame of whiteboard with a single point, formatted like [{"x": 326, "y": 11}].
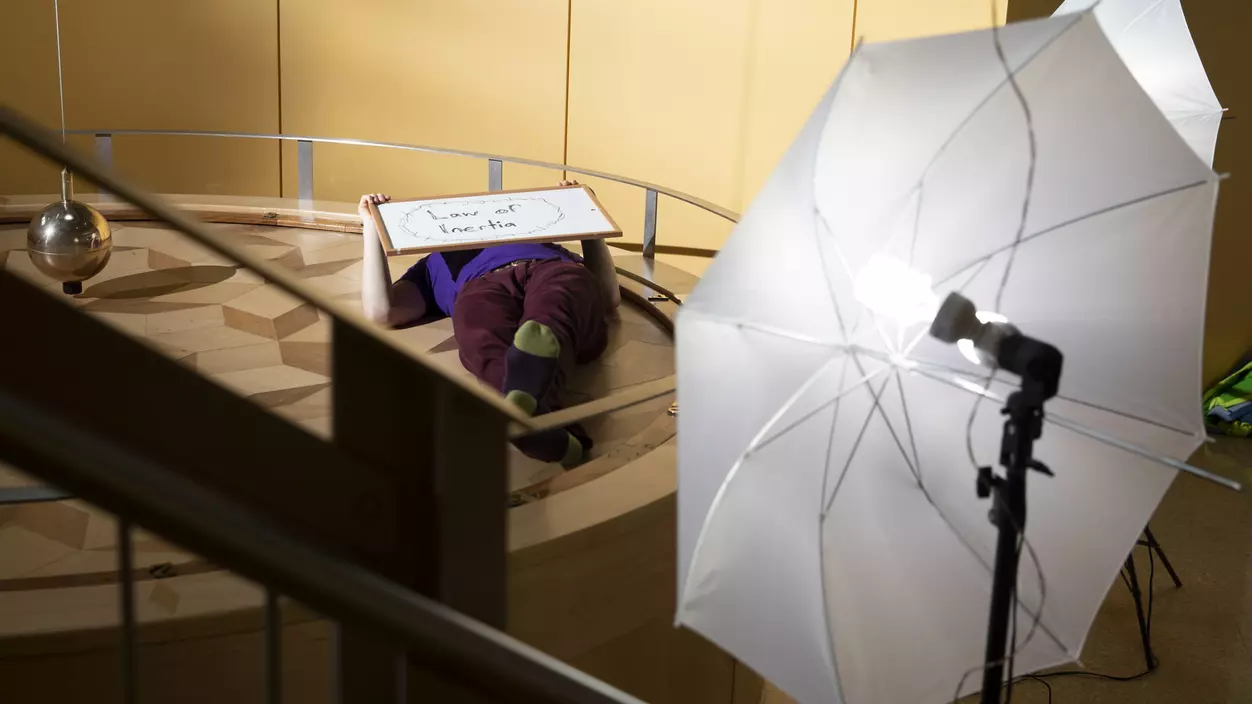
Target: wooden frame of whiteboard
[{"x": 391, "y": 250}]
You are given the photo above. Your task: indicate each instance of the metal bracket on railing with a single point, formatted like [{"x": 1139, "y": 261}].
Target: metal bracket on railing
[
  {"x": 104, "y": 152},
  {"x": 649, "y": 242},
  {"x": 495, "y": 175},
  {"x": 304, "y": 175},
  {"x": 649, "y": 225}
]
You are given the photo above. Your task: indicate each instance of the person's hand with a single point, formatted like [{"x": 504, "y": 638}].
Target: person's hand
[
  {"x": 363, "y": 207},
  {"x": 571, "y": 182}
]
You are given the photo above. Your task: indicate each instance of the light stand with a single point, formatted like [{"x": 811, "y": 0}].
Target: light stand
[{"x": 1039, "y": 366}]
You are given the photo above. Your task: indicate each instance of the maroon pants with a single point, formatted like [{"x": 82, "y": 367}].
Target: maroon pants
[{"x": 565, "y": 296}]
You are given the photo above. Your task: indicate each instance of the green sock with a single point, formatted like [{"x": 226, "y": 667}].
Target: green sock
[
  {"x": 533, "y": 337},
  {"x": 530, "y": 365},
  {"x": 574, "y": 452},
  {"x": 522, "y": 400}
]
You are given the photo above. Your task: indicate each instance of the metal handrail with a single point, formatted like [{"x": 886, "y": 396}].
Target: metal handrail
[
  {"x": 523, "y": 425},
  {"x": 148, "y": 495},
  {"x": 724, "y": 213},
  {"x": 305, "y": 171}
]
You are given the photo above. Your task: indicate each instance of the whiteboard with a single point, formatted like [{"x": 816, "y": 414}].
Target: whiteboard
[{"x": 485, "y": 219}]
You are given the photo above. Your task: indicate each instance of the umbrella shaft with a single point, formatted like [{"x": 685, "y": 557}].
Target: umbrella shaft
[
  {"x": 1009, "y": 494},
  {"x": 1008, "y": 513}
]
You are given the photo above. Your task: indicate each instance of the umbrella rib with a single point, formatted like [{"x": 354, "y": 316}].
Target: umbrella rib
[
  {"x": 817, "y": 240},
  {"x": 921, "y": 334},
  {"x": 1030, "y": 169},
  {"x": 917, "y": 215},
  {"x": 1095, "y": 213},
  {"x": 920, "y": 185},
  {"x": 766, "y": 329},
  {"x": 970, "y": 118},
  {"x": 826, "y": 617},
  {"x": 847, "y": 268},
  {"x": 1070, "y": 399},
  {"x": 834, "y": 420},
  {"x": 908, "y": 426},
  {"x": 734, "y": 469},
  {"x": 821, "y": 545},
  {"x": 1037, "y": 614},
  {"x": 830, "y": 285},
  {"x": 916, "y": 471},
  {"x": 987, "y": 99},
  {"x": 1092, "y": 433},
  {"x": 1143, "y": 452},
  {"x": 1034, "y": 613},
  {"x": 1194, "y": 113},
  {"x": 762, "y": 444},
  {"x": 843, "y": 473},
  {"x": 926, "y": 493},
  {"x": 1139, "y": 17}
]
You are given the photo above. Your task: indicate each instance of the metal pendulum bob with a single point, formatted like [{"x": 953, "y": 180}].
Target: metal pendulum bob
[{"x": 69, "y": 241}]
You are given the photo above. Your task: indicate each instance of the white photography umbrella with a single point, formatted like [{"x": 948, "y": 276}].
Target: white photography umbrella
[
  {"x": 1152, "y": 38},
  {"x": 830, "y": 535}
]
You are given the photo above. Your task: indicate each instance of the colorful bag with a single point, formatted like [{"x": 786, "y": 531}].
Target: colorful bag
[{"x": 1228, "y": 405}]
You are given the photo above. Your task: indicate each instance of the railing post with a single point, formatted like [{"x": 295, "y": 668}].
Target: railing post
[
  {"x": 126, "y": 588},
  {"x": 383, "y": 410},
  {"x": 444, "y": 454},
  {"x": 495, "y": 175},
  {"x": 32, "y": 495},
  {"x": 649, "y": 242},
  {"x": 304, "y": 174},
  {"x": 471, "y": 476},
  {"x": 104, "y": 152},
  {"x": 273, "y": 648}
]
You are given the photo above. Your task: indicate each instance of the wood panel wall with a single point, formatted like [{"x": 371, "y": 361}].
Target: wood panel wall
[
  {"x": 696, "y": 95},
  {"x": 28, "y": 82},
  {"x": 150, "y": 64},
  {"x": 477, "y": 75}
]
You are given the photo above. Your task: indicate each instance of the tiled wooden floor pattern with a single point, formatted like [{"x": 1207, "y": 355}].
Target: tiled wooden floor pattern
[{"x": 229, "y": 325}]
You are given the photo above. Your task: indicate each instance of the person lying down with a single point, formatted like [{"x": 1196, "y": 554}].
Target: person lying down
[{"x": 523, "y": 314}]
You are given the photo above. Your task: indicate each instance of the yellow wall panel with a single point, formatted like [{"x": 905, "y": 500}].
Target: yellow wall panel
[
  {"x": 885, "y": 20},
  {"x": 476, "y": 75},
  {"x": 656, "y": 90},
  {"x": 155, "y": 64},
  {"x": 28, "y": 83},
  {"x": 656, "y": 93},
  {"x": 796, "y": 50},
  {"x": 705, "y": 97},
  {"x": 1220, "y": 32}
]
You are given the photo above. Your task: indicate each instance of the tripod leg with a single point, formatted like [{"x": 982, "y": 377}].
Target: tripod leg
[
  {"x": 1160, "y": 552},
  {"x": 1137, "y": 595}
]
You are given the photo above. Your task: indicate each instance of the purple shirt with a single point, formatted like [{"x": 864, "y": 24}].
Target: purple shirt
[{"x": 441, "y": 276}]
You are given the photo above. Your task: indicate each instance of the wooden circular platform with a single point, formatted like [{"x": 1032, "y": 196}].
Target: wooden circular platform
[{"x": 591, "y": 550}]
